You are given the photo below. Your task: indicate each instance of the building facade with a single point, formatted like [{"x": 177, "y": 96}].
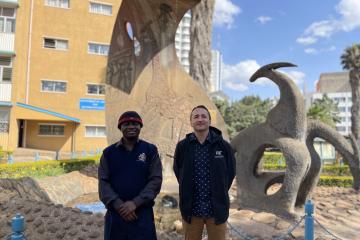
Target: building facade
[
  {"x": 182, "y": 41},
  {"x": 337, "y": 87},
  {"x": 215, "y": 77},
  {"x": 53, "y": 56}
]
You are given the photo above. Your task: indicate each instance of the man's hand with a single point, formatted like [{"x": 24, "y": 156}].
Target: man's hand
[{"x": 127, "y": 211}]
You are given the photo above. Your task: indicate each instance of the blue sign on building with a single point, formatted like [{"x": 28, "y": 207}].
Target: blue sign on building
[{"x": 92, "y": 104}]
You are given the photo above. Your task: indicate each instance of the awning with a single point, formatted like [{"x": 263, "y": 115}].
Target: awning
[
  {"x": 9, "y": 3},
  {"x": 7, "y": 53},
  {"x": 6, "y": 104},
  {"x": 28, "y": 112}
]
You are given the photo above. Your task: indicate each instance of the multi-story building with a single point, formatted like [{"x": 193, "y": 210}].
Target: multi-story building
[
  {"x": 215, "y": 77},
  {"x": 182, "y": 41},
  {"x": 337, "y": 87},
  {"x": 53, "y": 56}
]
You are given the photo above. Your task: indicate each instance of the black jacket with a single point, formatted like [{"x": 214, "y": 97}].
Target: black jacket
[{"x": 222, "y": 173}]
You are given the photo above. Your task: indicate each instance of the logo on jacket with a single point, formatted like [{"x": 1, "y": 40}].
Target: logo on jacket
[
  {"x": 218, "y": 154},
  {"x": 142, "y": 157}
]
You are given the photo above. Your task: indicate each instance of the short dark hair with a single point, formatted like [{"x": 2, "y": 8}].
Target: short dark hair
[{"x": 203, "y": 107}]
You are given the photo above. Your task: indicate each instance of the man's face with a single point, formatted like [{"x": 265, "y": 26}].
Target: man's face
[
  {"x": 200, "y": 120},
  {"x": 130, "y": 130}
]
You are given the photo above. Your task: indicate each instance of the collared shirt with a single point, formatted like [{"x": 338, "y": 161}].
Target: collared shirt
[{"x": 202, "y": 206}]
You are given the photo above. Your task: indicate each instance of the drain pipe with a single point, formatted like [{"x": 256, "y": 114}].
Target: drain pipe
[{"x": 27, "y": 87}]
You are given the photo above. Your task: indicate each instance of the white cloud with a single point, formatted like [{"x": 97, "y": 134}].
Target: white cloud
[
  {"x": 330, "y": 49},
  {"x": 348, "y": 20},
  {"x": 297, "y": 76},
  {"x": 224, "y": 14},
  {"x": 311, "y": 51},
  {"x": 306, "y": 40},
  {"x": 236, "y": 77},
  {"x": 314, "y": 51},
  {"x": 263, "y": 19}
]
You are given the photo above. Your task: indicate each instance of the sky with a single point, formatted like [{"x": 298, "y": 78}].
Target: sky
[{"x": 309, "y": 33}]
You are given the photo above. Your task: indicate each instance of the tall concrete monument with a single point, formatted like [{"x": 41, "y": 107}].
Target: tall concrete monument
[{"x": 144, "y": 74}]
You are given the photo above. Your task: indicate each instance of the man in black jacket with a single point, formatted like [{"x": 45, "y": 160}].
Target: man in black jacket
[
  {"x": 130, "y": 177},
  {"x": 204, "y": 165}
]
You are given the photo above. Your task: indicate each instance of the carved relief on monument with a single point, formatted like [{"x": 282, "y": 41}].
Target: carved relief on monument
[{"x": 152, "y": 81}]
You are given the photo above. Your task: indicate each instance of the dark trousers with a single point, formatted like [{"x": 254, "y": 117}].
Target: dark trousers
[{"x": 116, "y": 228}]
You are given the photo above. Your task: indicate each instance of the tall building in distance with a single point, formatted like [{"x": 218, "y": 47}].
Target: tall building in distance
[
  {"x": 182, "y": 41},
  {"x": 53, "y": 56},
  {"x": 182, "y": 46},
  {"x": 337, "y": 87},
  {"x": 215, "y": 77}
]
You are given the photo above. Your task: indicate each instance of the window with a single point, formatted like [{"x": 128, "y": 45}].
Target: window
[
  {"x": 101, "y": 49},
  {"x": 4, "y": 121},
  {"x": 53, "y": 86},
  {"x": 56, "y": 43},
  {"x": 96, "y": 89},
  {"x": 95, "y": 131},
  {"x": 58, "y": 3},
  {"x": 7, "y": 20},
  {"x": 100, "y": 8},
  {"x": 342, "y": 109},
  {"x": 5, "y": 69},
  {"x": 51, "y": 130},
  {"x": 341, "y": 128}
]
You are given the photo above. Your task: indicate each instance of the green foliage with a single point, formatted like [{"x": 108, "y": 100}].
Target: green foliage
[
  {"x": 243, "y": 113},
  {"x": 336, "y": 181},
  {"x": 350, "y": 59},
  {"x": 325, "y": 110},
  {"x": 273, "y": 158},
  {"x": 44, "y": 168},
  {"x": 330, "y": 170}
]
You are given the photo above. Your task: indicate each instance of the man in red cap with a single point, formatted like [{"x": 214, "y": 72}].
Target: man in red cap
[{"x": 130, "y": 177}]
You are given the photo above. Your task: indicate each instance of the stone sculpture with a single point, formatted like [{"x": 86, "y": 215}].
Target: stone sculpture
[
  {"x": 287, "y": 128},
  {"x": 144, "y": 74}
]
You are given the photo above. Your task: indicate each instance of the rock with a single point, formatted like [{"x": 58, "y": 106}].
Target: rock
[
  {"x": 263, "y": 217},
  {"x": 178, "y": 227}
]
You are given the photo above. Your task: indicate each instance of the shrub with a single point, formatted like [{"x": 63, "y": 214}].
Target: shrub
[
  {"x": 333, "y": 170},
  {"x": 336, "y": 181},
  {"x": 273, "y": 158},
  {"x": 43, "y": 168}
]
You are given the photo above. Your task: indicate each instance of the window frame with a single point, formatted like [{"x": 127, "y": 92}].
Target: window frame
[
  {"x": 58, "y": 5},
  {"x": 99, "y": 44},
  {"x": 98, "y": 90},
  {"x": 56, "y": 39},
  {"x": 54, "y": 81},
  {"x": 95, "y": 126},
  {"x": 2, "y": 67},
  {"x": 101, "y": 4},
  {"x": 50, "y": 124},
  {"x": 6, "y": 19}
]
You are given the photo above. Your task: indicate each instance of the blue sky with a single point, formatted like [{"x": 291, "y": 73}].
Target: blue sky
[{"x": 309, "y": 33}]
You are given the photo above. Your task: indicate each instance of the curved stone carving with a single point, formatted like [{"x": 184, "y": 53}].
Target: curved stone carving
[
  {"x": 285, "y": 127},
  {"x": 349, "y": 151},
  {"x": 144, "y": 74}
]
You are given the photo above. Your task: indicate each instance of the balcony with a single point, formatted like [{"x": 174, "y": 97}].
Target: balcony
[
  {"x": 9, "y": 3},
  {"x": 5, "y": 92},
  {"x": 7, "y": 41}
]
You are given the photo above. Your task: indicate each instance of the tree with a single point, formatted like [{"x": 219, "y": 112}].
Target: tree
[
  {"x": 350, "y": 60},
  {"x": 243, "y": 113},
  {"x": 325, "y": 110}
]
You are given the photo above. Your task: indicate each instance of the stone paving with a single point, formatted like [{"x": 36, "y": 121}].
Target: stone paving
[{"x": 338, "y": 209}]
